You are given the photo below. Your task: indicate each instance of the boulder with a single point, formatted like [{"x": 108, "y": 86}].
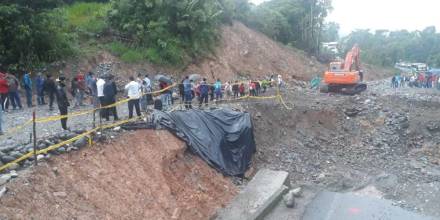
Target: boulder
[{"x": 7, "y": 159}]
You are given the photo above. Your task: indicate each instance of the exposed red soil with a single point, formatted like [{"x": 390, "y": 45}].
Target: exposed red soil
[
  {"x": 240, "y": 52},
  {"x": 143, "y": 175},
  {"x": 243, "y": 51}
]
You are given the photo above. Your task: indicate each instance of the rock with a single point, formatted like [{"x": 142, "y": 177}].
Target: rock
[
  {"x": 176, "y": 213},
  {"x": 61, "y": 150},
  {"x": 289, "y": 199},
  {"x": 14, "y": 166},
  {"x": 4, "y": 178},
  {"x": 66, "y": 135},
  {"x": 80, "y": 142},
  {"x": 60, "y": 194},
  {"x": 49, "y": 143},
  {"x": 15, "y": 154},
  {"x": 3, "y": 191},
  {"x": 79, "y": 131},
  {"x": 41, "y": 146},
  {"x": 297, "y": 192},
  {"x": 40, "y": 157},
  {"x": 7, "y": 147},
  {"x": 13, "y": 174},
  {"x": 7, "y": 159},
  {"x": 352, "y": 112},
  {"x": 433, "y": 127},
  {"x": 118, "y": 128}
]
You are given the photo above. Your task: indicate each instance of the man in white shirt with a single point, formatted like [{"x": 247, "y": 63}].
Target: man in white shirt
[
  {"x": 134, "y": 93},
  {"x": 100, "y": 93},
  {"x": 147, "y": 83}
]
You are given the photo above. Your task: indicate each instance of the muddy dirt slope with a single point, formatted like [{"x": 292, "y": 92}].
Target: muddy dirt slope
[
  {"x": 243, "y": 51},
  {"x": 240, "y": 52},
  {"x": 142, "y": 175}
]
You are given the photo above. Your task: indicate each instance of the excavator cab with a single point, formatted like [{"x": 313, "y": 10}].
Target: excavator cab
[{"x": 345, "y": 76}]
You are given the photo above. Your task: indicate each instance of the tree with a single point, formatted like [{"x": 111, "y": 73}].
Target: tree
[
  {"x": 171, "y": 29},
  {"x": 32, "y": 33},
  {"x": 385, "y": 48},
  {"x": 296, "y": 22},
  {"x": 330, "y": 32}
]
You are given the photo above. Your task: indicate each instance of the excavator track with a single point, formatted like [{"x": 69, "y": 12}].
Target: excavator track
[{"x": 344, "y": 89}]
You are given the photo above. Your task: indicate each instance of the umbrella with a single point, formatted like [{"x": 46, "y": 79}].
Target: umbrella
[
  {"x": 195, "y": 77},
  {"x": 162, "y": 78}
]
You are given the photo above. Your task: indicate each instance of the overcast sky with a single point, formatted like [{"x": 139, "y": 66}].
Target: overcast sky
[{"x": 384, "y": 14}]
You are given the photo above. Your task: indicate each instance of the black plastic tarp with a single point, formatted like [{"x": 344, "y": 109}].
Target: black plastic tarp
[{"x": 223, "y": 138}]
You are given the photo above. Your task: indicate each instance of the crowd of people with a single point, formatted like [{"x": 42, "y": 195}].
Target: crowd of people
[
  {"x": 102, "y": 91},
  {"x": 418, "y": 80}
]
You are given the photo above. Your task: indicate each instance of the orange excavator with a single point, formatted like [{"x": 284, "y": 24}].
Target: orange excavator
[{"x": 345, "y": 76}]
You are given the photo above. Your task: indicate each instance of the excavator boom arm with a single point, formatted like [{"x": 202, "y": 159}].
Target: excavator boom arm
[{"x": 352, "y": 60}]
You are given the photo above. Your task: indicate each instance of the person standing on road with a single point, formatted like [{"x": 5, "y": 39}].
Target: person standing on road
[
  {"x": 94, "y": 92},
  {"x": 264, "y": 84},
  {"x": 164, "y": 94},
  {"x": 187, "y": 89},
  {"x": 251, "y": 88},
  {"x": 91, "y": 88},
  {"x": 280, "y": 82},
  {"x": 62, "y": 101},
  {"x": 438, "y": 83},
  {"x": 40, "y": 89},
  {"x": 148, "y": 90},
  {"x": 100, "y": 93},
  {"x": 257, "y": 87},
  {"x": 204, "y": 93},
  {"x": 80, "y": 90},
  {"x": 182, "y": 92},
  {"x": 133, "y": 89},
  {"x": 4, "y": 91},
  {"x": 218, "y": 90},
  {"x": 27, "y": 84},
  {"x": 110, "y": 91},
  {"x": 1, "y": 122},
  {"x": 235, "y": 89},
  {"x": 51, "y": 89},
  {"x": 242, "y": 90},
  {"x": 13, "y": 95},
  {"x": 74, "y": 90}
]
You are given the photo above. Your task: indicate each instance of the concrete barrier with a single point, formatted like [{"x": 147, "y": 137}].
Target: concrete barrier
[{"x": 258, "y": 198}]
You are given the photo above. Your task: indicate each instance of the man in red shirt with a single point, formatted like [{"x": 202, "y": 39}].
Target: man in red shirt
[{"x": 4, "y": 90}]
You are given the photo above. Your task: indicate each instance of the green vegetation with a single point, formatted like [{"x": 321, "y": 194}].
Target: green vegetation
[
  {"x": 165, "y": 32},
  {"x": 385, "y": 48},
  {"x": 172, "y": 32},
  {"x": 32, "y": 33},
  {"x": 87, "y": 18},
  {"x": 299, "y": 23}
]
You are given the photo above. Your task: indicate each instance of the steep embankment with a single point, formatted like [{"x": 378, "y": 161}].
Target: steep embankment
[
  {"x": 241, "y": 52},
  {"x": 142, "y": 175}
]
